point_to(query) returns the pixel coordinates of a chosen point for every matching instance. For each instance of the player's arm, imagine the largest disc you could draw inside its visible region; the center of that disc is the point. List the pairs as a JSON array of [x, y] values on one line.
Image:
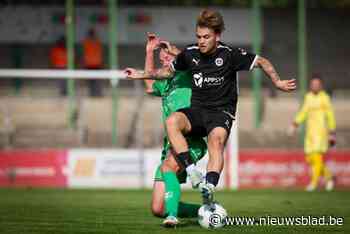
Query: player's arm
[[152, 44], [330, 121], [299, 118], [270, 71], [166, 72], [330, 114], [157, 74]]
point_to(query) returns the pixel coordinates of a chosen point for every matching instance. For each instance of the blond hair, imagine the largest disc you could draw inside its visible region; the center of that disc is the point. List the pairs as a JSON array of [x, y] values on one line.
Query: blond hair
[[211, 19]]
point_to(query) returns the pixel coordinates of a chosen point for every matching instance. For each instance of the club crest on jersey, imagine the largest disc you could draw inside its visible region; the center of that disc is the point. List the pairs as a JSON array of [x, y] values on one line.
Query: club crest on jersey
[[198, 79], [219, 62]]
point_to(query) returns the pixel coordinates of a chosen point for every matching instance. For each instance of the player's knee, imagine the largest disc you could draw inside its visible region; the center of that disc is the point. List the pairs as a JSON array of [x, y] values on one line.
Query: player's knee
[[216, 142], [169, 165], [157, 210], [217, 139], [172, 122]]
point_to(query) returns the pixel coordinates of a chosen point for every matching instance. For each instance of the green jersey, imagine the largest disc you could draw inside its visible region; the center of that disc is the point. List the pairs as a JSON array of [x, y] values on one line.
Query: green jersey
[[175, 92]]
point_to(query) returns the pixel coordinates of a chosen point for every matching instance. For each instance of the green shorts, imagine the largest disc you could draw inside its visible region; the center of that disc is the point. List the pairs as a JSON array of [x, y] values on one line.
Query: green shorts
[[197, 147]]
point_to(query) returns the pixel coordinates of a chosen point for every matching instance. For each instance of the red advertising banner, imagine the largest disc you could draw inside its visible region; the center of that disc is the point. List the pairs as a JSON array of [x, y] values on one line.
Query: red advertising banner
[[37, 168], [256, 168], [266, 169]]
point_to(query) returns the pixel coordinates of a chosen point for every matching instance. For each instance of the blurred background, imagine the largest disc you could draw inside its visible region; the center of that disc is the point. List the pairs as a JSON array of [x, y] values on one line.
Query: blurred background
[[66, 127]]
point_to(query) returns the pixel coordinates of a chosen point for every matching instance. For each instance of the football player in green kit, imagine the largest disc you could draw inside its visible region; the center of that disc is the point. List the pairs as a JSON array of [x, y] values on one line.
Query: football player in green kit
[[176, 94]]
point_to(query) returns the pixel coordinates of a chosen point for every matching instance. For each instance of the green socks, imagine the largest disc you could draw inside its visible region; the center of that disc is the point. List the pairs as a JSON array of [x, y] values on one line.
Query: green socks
[[173, 206], [188, 210], [172, 193]]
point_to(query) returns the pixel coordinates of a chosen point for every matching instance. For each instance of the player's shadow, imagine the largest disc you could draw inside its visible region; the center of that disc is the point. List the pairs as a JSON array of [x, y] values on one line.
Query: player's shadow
[[188, 223]]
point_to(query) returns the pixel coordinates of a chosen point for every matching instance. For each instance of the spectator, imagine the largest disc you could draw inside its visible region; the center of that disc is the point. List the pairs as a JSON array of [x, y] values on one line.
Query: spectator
[[93, 59], [58, 60]]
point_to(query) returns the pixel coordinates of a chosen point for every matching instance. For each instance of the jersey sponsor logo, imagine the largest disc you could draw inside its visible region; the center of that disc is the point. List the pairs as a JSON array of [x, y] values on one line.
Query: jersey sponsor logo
[[214, 80], [196, 61], [219, 62], [199, 80]]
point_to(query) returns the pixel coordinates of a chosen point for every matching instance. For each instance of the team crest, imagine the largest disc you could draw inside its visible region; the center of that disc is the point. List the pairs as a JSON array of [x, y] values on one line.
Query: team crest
[[219, 62]]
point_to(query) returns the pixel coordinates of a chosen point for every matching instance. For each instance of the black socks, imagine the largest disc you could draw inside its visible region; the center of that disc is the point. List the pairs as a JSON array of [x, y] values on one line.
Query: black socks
[[184, 160], [212, 177]]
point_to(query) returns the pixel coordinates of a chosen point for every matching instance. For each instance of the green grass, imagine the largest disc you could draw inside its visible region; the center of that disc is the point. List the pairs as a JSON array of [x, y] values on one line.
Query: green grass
[[127, 211]]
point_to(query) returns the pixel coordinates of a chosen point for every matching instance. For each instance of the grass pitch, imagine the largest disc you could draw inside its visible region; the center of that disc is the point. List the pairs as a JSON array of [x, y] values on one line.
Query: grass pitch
[[127, 211]]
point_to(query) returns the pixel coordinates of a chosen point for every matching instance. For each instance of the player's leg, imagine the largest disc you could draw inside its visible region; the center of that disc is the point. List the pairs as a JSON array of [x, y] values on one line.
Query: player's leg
[[315, 160], [172, 180], [216, 144], [188, 210], [219, 127], [172, 191], [157, 203], [178, 124], [327, 175], [185, 209], [198, 149]]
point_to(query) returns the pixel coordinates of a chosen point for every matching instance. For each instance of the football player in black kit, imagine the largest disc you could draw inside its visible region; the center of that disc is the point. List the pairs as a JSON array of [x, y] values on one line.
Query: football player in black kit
[[214, 66]]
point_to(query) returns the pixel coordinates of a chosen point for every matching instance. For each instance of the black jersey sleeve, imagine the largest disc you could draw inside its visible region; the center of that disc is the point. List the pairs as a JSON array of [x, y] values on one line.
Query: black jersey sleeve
[[242, 60], [180, 62]]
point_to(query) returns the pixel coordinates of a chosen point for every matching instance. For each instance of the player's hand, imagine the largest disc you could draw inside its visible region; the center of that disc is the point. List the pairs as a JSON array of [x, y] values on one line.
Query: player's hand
[[332, 140], [152, 42], [286, 85], [132, 73], [292, 129], [171, 49]]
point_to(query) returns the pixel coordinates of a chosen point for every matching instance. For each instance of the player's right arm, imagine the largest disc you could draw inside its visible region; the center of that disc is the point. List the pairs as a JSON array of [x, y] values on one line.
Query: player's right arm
[[179, 64], [157, 74], [299, 118], [152, 44]]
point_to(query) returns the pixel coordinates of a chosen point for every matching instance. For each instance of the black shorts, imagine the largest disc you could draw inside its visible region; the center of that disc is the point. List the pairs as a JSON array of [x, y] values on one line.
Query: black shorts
[[204, 121]]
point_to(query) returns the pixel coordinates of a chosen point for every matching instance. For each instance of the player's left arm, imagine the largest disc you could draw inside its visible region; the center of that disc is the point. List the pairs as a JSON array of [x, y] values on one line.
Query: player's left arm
[[300, 117], [270, 71]]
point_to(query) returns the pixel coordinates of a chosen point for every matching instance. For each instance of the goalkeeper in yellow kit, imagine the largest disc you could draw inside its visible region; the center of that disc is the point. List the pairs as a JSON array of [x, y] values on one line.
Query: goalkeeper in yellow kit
[[317, 113]]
